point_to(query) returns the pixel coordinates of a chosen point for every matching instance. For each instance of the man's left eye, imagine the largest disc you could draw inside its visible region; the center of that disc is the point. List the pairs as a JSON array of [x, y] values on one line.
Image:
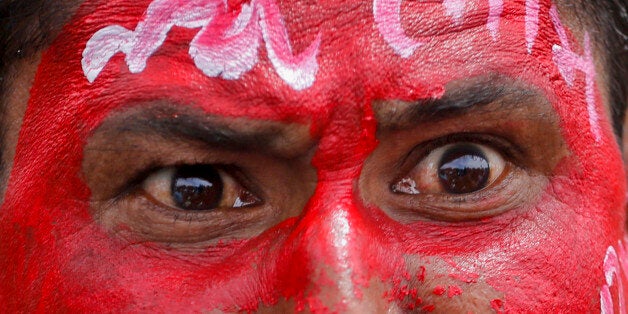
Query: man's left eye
[[458, 168], [456, 177], [197, 188]]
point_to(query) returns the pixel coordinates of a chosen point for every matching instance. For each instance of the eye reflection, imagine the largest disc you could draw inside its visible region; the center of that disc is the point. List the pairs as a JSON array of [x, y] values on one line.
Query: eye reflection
[[197, 188], [463, 169], [458, 168]]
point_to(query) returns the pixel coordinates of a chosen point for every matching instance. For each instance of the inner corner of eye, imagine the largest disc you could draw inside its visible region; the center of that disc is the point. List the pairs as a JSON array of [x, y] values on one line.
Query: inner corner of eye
[[405, 186]]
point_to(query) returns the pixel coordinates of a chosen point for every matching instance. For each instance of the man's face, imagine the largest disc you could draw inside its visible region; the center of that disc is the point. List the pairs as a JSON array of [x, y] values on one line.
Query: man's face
[[315, 156]]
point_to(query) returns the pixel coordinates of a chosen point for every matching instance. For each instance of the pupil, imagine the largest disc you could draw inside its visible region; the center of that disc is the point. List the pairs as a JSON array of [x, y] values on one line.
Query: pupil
[[196, 187], [463, 169]]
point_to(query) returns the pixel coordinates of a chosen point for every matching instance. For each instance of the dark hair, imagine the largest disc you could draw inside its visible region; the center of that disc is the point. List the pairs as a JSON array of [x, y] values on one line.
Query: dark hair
[[617, 45], [608, 20], [27, 26]]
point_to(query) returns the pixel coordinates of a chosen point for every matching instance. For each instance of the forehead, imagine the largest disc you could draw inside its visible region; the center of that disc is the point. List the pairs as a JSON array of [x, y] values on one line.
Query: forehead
[[297, 59]]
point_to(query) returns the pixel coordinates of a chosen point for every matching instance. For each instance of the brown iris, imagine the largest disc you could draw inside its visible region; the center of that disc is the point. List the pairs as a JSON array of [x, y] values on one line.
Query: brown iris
[[197, 187], [463, 169]]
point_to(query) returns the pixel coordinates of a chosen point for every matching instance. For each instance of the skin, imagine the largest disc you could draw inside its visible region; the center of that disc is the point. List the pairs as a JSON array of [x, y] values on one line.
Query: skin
[[82, 231]]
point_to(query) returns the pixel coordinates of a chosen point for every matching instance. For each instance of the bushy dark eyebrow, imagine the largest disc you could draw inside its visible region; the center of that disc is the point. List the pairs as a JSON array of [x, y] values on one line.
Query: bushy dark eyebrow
[[172, 123], [473, 95]]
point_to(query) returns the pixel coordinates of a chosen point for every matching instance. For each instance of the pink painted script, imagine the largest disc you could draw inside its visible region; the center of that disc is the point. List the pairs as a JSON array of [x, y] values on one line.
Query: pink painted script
[[568, 61], [615, 266], [532, 22], [226, 46], [455, 9], [496, 7], [387, 15]]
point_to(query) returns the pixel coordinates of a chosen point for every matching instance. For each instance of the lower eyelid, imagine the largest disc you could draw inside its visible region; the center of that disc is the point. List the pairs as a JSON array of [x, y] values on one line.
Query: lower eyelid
[[511, 185], [156, 223], [467, 207], [151, 219]]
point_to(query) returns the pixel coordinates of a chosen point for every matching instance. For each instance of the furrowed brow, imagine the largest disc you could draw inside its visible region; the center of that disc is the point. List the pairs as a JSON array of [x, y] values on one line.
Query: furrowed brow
[[239, 134], [469, 96]]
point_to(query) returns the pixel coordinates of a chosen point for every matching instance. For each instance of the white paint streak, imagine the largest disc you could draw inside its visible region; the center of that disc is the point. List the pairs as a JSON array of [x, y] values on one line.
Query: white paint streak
[[611, 265], [102, 46], [298, 71], [531, 23], [225, 46], [340, 231], [387, 14], [568, 62], [612, 270], [568, 73], [496, 7], [228, 53], [606, 300], [455, 9]]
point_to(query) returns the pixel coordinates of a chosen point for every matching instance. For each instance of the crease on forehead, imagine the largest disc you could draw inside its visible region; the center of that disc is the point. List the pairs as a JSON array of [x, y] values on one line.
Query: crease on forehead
[[436, 93], [430, 93], [291, 12]]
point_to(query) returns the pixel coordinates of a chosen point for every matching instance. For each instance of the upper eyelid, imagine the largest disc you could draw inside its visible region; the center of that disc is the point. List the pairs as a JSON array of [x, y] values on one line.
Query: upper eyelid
[[510, 151]]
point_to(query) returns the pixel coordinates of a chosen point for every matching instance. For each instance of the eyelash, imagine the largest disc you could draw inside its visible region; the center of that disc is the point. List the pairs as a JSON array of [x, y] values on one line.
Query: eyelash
[[511, 154], [134, 185], [509, 151]]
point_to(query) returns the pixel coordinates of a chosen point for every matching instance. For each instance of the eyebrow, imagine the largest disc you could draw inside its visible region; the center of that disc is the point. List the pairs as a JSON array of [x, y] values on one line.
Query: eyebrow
[[488, 94], [170, 122]]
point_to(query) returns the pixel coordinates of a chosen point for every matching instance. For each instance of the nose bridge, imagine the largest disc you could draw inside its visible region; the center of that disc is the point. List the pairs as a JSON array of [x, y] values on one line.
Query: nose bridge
[[333, 243], [328, 238], [329, 242]]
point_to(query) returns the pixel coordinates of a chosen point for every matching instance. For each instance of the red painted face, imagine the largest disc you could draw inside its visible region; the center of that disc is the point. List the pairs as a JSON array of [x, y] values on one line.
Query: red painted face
[[380, 87]]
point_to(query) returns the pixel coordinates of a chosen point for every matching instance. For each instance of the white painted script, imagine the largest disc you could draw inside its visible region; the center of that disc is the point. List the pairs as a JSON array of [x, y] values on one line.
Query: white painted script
[[226, 46]]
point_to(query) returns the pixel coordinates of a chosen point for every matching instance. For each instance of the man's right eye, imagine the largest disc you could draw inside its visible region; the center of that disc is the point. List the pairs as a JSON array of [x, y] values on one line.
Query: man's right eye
[[197, 188], [192, 204], [181, 178]]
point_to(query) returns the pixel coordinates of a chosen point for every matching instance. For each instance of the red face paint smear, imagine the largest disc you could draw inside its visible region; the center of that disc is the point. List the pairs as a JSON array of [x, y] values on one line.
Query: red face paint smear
[[439, 290], [55, 256], [454, 291]]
